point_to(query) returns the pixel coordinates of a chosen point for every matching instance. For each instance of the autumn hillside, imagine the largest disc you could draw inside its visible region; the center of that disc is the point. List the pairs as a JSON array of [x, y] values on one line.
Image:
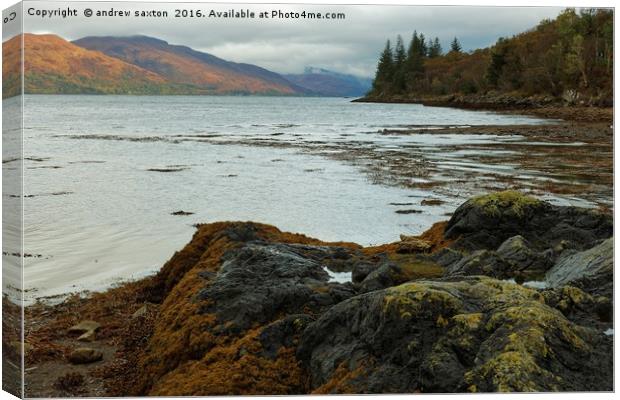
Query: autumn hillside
[[135, 65], [565, 60], [53, 65], [181, 64]]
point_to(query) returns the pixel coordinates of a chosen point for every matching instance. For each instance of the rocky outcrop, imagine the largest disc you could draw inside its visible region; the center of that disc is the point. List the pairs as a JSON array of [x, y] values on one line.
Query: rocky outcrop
[[260, 281], [510, 235], [591, 270], [585, 110], [235, 301], [485, 222], [472, 334], [247, 309]]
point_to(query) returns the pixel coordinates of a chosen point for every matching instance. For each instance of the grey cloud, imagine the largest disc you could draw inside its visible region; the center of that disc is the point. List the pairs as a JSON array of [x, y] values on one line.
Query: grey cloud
[[287, 46]]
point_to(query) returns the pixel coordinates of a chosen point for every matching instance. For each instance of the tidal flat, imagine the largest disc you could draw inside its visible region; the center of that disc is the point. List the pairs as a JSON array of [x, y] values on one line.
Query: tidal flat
[[324, 167]]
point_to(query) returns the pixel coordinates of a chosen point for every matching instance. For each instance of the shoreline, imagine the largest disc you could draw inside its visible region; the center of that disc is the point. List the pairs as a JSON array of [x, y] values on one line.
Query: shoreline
[[553, 132], [596, 190], [137, 317], [596, 138], [508, 105]]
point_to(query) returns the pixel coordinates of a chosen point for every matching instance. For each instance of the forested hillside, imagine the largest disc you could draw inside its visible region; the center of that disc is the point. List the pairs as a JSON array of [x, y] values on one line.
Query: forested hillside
[[568, 59], [130, 65]]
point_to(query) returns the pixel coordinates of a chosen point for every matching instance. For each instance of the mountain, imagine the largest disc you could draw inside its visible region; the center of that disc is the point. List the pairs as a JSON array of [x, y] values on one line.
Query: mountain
[[328, 83], [146, 65], [183, 65], [53, 65], [11, 56]]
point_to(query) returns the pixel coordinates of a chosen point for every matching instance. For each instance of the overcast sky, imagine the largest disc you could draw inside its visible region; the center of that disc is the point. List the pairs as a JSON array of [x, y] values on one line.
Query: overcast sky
[[287, 46]]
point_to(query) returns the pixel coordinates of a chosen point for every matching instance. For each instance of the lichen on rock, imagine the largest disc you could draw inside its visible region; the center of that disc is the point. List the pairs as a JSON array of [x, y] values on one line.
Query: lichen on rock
[[245, 309], [475, 333]]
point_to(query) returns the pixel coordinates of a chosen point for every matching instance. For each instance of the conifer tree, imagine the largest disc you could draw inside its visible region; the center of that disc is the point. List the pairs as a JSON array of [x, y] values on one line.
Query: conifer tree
[[423, 46], [400, 57], [434, 49], [455, 46], [385, 71], [415, 61]]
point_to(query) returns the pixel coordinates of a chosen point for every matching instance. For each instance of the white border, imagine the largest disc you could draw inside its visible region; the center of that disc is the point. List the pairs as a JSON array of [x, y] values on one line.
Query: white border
[[563, 3]]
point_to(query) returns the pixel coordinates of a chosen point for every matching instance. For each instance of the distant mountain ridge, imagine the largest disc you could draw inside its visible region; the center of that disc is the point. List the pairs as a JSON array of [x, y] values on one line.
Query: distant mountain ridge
[[329, 83], [147, 65], [54, 65], [183, 65]]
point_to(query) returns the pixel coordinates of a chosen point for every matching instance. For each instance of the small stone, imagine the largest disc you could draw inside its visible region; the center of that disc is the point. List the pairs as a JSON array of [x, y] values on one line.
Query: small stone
[[142, 311], [85, 326], [432, 202], [85, 355], [87, 337], [411, 244], [181, 212]]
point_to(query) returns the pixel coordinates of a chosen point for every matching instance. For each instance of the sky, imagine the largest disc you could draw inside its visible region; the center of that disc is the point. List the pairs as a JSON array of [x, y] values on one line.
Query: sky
[[350, 46]]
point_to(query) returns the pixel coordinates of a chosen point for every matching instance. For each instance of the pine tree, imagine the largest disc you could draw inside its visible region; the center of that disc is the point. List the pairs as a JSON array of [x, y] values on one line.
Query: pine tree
[[434, 49], [385, 71], [415, 62], [455, 46], [399, 51], [423, 46], [400, 57]]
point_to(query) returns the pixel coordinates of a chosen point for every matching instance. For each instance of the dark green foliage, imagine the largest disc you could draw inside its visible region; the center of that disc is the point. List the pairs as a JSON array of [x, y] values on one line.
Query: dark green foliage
[[414, 65], [569, 58], [11, 86], [434, 48], [455, 46], [385, 72], [400, 57]]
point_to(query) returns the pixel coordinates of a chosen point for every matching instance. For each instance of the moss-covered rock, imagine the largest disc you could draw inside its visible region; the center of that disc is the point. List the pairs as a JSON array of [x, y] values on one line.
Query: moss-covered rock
[[511, 203], [485, 222], [247, 309], [234, 302], [470, 334]]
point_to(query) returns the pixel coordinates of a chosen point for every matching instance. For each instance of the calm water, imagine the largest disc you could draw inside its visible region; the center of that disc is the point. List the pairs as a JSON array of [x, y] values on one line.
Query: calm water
[[95, 213]]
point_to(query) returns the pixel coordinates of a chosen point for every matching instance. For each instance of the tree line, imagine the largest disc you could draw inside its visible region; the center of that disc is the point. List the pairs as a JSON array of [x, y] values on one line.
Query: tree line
[[401, 70], [570, 56]]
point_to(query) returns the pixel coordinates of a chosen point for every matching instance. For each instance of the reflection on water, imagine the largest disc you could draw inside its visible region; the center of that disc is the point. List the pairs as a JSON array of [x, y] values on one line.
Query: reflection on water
[[105, 174]]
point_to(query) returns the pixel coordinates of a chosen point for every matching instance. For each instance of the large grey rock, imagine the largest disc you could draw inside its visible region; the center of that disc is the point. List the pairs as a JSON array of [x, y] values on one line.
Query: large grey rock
[[485, 222], [461, 334], [385, 275], [259, 281], [591, 270], [518, 252], [481, 262]]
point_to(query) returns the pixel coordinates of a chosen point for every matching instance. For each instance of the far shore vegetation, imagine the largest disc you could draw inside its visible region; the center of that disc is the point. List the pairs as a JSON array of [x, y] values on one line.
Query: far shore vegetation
[[569, 58]]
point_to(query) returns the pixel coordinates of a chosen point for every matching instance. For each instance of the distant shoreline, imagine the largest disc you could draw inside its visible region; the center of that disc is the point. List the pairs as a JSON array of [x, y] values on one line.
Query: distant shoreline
[[539, 107]]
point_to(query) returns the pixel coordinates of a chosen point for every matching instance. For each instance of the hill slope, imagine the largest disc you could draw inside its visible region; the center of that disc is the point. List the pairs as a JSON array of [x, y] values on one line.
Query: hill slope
[[567, 60], [328, 83], [53, 65], [183, 65]]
